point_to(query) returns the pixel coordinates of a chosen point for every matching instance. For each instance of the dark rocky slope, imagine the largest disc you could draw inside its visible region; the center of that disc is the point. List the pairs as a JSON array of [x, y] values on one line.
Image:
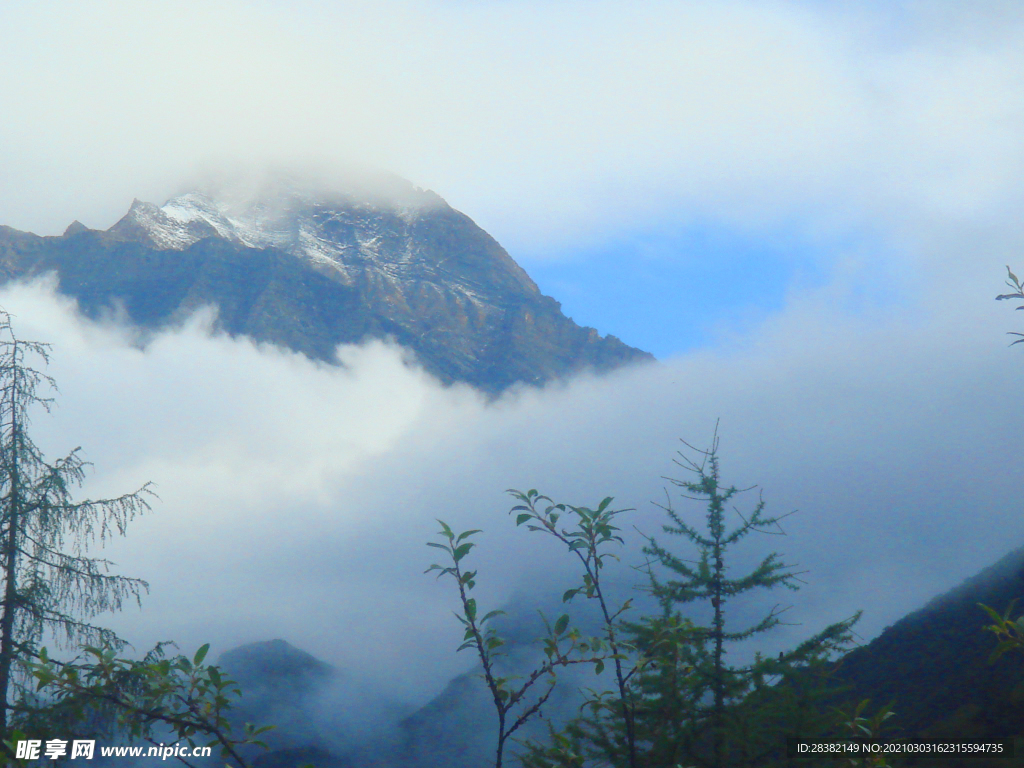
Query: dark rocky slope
[[934, 664], [311, 270]]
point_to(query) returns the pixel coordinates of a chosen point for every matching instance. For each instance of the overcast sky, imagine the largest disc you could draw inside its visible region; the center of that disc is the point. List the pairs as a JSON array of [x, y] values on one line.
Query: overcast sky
[[803, 209]]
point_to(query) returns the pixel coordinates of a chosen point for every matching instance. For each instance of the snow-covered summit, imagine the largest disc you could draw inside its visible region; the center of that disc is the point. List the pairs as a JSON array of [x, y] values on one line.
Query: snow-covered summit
[[192, 216], [324, 225], [311, 266]]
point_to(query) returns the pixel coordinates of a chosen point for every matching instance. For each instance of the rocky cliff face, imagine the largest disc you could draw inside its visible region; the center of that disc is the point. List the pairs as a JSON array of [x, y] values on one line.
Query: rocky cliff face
[[309, 270]]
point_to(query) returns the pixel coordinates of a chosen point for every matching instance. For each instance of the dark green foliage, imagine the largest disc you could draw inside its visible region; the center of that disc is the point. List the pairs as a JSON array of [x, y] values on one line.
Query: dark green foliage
[[676, 700], [101, 693], [858, 722], [695, 706]]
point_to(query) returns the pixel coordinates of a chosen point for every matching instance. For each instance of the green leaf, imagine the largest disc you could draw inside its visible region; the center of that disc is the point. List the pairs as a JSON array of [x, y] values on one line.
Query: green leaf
[[522, 518], [561, 623], [991, 612], [1002, 648], [471, 609], [461, 551], [200, 654], [466, 534]]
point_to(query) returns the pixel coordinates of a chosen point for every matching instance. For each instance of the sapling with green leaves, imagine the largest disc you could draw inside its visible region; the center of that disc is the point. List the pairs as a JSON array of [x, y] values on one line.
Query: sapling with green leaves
[[1008, 629], [856, 723], [563, 646], [592, 532], [1014, 282], [135, 697]]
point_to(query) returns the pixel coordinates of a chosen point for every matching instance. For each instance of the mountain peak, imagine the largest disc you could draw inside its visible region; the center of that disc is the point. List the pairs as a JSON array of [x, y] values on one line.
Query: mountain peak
[[337, 226], [152, 224], [74, 228], [307, 264]]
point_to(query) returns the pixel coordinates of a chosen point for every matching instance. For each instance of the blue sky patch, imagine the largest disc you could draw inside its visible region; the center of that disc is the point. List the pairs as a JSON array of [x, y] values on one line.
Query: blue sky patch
[[666, 291]]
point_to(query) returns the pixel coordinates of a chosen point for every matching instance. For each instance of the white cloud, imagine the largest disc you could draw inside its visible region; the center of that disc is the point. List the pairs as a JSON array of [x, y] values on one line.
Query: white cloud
[[297, 497], [553, 123]]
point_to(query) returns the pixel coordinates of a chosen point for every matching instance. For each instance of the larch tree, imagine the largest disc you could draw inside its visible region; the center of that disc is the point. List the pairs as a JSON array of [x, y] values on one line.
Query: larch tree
[[694, 705], [50, 585]]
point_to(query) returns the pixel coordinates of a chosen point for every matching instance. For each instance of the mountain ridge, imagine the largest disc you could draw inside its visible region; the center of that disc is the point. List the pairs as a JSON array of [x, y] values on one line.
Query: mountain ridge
[[934, 663], [310, 269]]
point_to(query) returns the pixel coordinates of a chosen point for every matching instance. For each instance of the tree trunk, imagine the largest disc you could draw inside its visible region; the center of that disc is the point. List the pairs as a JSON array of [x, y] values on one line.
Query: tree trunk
[[718, 680], [10, 559]]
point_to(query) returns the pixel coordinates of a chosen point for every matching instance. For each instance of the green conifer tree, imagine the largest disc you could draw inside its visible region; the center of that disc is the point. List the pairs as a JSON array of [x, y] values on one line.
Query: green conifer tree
[[49, 584], [695, 707], [51, 587]]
